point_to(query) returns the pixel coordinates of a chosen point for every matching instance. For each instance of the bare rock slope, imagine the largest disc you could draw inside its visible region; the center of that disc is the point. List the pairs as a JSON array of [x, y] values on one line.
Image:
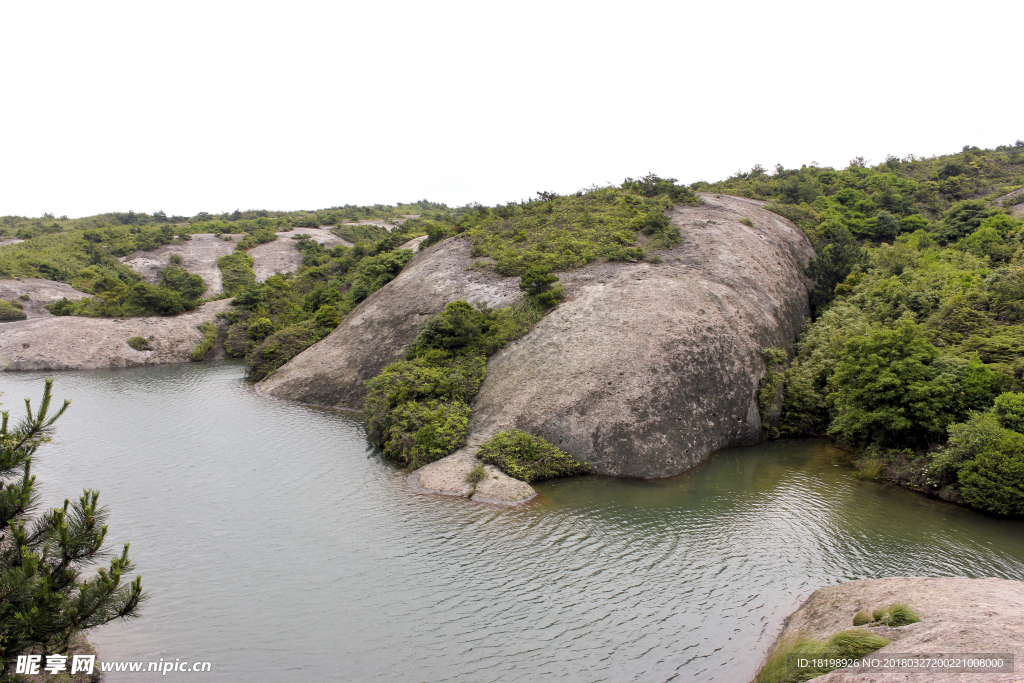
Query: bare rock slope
[[644, 370], [40, 293], [332, 372], [282, 256], [77, 343], [958, 616], [198, 256]]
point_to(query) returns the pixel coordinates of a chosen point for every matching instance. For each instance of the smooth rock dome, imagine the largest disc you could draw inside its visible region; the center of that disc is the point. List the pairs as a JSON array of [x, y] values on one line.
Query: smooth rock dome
[[644, 370]]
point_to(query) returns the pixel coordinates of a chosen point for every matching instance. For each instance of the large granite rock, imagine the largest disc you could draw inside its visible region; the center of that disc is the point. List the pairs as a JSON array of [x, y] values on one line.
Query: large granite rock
[[644, 370], [647, 369]]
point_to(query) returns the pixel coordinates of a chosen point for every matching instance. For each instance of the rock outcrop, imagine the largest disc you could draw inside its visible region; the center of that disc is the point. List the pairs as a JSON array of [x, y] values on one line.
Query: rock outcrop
[[77, 343], [282, 256], [198, 256], [40, 293], [380, 330], [958, 616], [643, 371]]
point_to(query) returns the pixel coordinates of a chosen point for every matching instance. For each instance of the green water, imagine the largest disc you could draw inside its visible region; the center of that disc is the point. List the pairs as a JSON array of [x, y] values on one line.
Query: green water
[[278, 546]]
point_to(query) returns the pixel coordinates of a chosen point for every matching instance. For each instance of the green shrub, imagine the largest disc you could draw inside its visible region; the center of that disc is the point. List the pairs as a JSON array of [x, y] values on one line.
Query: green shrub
[[277, 349], [191, 287], [529, 458], [25, 297], [9, 312], [418, 433], [746, 221], [862, 617], [236, 272], [1009, 407], [139, 343], [476, 475], [994, 480], [900, 614], [209, 331], [175, 259]]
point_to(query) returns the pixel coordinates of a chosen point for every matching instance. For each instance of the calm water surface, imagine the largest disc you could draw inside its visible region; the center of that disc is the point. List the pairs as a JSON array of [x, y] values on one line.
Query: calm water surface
[[278, 546]]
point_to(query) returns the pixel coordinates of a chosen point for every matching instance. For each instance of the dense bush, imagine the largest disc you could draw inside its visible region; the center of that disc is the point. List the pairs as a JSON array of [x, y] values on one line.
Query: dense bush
[[994, 480], [10, 311], [918, 311], [138, 343], [236, 272], [417, 409], [209, 340], [529, 458], [279, 348], [825, 655]]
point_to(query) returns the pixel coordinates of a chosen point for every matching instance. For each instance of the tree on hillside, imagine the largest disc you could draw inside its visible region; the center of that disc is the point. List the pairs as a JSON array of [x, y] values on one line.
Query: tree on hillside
[[45, 599]]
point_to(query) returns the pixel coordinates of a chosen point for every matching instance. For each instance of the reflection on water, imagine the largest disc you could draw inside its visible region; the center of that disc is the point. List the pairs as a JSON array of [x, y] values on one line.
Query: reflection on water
[[278, 546]]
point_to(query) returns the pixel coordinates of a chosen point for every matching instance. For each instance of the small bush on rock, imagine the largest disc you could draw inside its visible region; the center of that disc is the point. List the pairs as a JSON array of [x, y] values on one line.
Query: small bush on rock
[[139, 343], [9, 312], [529, 458]]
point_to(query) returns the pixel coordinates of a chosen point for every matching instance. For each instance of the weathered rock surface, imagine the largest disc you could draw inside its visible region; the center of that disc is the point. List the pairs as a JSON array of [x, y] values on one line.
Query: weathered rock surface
[[644, 370], [198, 256], [448, 477], [647, 369], [958, 616], [40, 292], [282, 256], [380, 330], [77, 343]]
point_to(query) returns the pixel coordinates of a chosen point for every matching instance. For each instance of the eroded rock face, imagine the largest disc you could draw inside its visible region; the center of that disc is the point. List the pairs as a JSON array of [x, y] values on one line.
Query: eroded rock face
[[40, 293], [198, 256], [332, 372], [958, 616], [282, 256], [78, 343], [643, 371], [647, 369]]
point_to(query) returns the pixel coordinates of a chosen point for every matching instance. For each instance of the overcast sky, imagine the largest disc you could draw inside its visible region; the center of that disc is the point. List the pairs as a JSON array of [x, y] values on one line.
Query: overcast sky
[[212, 106]]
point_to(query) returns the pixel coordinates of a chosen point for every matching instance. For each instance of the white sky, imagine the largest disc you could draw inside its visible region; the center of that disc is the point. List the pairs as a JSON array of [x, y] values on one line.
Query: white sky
[[212, 106]]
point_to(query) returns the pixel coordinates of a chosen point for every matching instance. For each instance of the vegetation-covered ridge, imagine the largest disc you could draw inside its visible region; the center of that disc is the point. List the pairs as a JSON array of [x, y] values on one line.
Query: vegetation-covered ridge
[[915, 357], [566, 232], [274, 321]]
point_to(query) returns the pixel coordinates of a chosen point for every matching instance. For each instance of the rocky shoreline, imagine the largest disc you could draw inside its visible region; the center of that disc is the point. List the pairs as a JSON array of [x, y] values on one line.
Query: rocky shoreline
[[958, 616]]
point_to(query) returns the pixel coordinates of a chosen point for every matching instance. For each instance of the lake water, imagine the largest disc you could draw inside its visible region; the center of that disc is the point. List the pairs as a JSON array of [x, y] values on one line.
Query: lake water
[[276, 544]]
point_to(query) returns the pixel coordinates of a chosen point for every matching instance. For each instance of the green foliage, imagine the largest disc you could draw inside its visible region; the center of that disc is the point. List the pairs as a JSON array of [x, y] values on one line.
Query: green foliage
[[861, 618], [538, 282], [209, 340], [994, 480], [279, 348], [476, 475], [747, 222], [888, 389], [900, 614], [9, 312], [441, 374], [236, 272], [139, 343], [529, 458], [1009, 408], [562, 233], [47, 599], [781, 666]]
